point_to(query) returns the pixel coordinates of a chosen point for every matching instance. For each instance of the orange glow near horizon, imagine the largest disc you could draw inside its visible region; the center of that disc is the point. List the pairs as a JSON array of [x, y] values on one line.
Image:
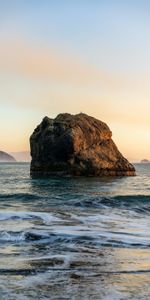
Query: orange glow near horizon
[[46, 71]]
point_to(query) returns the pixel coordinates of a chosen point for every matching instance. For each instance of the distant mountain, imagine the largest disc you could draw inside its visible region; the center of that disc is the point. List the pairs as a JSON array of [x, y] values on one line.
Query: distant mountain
[[145, 161], [23, 156], [5, 157]]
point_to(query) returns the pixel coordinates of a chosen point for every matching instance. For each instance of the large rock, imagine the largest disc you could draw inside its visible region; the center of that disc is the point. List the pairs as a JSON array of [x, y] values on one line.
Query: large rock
[[77, 145], [5, 157]]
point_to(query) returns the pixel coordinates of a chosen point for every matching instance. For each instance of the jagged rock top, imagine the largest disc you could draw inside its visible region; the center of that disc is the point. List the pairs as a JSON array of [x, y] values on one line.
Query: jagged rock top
[[76, 145], [5, 157]]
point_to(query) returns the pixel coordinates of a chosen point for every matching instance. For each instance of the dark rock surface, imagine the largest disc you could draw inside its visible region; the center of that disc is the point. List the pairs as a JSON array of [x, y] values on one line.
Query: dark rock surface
[[5, 157], [77, 145]]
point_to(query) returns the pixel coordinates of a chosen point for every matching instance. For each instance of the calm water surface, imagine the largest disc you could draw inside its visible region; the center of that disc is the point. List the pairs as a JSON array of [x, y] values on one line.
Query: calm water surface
[[74, 238]]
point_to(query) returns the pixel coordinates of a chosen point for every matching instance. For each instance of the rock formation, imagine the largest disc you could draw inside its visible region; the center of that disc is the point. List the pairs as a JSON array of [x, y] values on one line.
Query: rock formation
[[5, 157], [145, 161], [77, 145]]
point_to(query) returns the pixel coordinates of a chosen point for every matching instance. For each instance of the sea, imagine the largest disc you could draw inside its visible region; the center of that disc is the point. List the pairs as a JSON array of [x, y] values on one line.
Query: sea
[[74, 238]]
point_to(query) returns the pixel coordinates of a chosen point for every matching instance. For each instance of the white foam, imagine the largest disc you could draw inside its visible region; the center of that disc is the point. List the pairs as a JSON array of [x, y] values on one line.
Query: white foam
[[12, 237], [47, 218]]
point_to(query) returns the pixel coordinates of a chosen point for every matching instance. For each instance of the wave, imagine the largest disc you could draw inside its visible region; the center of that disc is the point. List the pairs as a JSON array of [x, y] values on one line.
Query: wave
[[37, 271], [122, 201], [10, 236], [36, 235], [47, 218], [19, 196], [58, 240], [139, 203]]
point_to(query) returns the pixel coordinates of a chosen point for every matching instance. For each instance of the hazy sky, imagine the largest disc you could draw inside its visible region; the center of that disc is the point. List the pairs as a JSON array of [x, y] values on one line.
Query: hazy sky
[[72, 56]]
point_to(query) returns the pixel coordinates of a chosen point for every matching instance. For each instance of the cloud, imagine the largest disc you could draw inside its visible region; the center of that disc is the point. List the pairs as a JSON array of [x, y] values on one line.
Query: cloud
[[47, 81], [40, 63]]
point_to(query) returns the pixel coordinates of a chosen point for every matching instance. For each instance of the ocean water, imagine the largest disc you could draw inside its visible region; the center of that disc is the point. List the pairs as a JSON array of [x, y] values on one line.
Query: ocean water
[[74, 238]]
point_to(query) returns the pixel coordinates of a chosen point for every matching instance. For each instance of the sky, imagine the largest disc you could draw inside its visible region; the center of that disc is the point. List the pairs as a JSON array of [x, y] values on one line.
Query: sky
[[75, 56]]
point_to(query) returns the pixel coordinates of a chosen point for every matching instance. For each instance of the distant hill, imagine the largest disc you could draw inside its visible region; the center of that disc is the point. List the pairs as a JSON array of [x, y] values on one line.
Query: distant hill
[[5, 157], [23, 156], [145, 161]]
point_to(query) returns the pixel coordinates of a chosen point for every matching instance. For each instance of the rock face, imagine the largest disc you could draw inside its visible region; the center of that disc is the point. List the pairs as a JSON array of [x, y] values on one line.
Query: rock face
[[5, 157], [77, 145]]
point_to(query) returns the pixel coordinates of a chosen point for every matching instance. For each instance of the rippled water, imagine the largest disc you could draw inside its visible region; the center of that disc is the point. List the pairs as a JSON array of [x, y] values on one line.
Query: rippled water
[[74, 238]]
